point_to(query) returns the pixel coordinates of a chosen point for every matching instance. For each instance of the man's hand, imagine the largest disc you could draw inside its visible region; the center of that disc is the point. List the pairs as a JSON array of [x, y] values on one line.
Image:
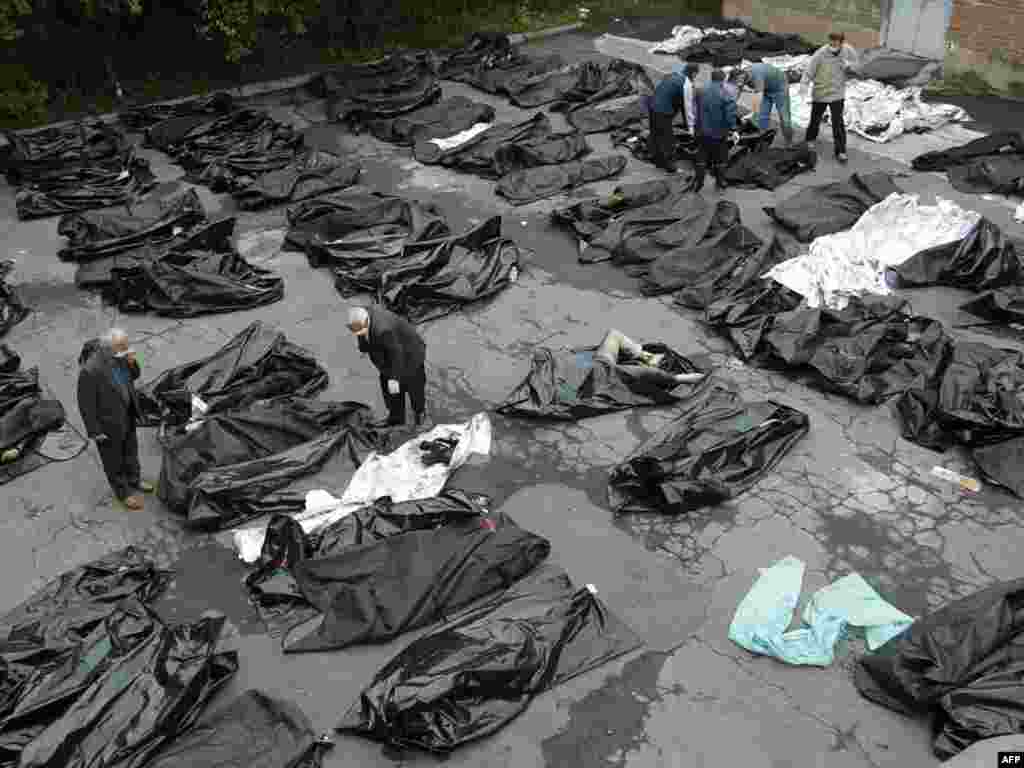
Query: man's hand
[[393, 387]]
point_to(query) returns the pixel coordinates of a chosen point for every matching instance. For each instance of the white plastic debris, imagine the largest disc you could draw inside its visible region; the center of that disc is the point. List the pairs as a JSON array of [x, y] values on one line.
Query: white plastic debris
[[683, 36], [967, 483], [1018, 215], [451, 142], [591, 589], [853, 263], [400, 474]]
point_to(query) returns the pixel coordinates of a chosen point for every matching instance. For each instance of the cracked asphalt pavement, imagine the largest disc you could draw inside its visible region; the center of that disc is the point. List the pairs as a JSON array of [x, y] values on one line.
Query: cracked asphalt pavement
[[852, 496]]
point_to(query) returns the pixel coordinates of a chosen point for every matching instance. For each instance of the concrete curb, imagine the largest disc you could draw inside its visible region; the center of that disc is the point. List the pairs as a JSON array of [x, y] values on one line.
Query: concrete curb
[[284, 84]]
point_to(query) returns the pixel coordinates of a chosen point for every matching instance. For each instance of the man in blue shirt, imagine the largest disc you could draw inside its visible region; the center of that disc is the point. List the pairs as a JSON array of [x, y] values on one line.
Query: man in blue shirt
[[771, 88], [676, 92], [717, 129]]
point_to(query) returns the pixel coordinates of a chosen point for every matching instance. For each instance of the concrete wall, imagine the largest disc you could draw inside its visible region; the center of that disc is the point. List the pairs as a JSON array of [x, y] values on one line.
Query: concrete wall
[[860, 20], [917, 26]]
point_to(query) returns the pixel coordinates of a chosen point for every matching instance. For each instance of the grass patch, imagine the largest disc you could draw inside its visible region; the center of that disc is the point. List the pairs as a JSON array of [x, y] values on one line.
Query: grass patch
[[965, 83]]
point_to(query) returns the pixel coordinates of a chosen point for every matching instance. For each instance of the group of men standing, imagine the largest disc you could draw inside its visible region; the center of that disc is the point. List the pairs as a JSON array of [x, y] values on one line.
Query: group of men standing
[[710, 113]]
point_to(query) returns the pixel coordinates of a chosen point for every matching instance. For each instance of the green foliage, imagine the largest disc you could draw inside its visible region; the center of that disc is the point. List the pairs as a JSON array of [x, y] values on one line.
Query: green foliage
[[10, 12], [237, 23], [22, 99]]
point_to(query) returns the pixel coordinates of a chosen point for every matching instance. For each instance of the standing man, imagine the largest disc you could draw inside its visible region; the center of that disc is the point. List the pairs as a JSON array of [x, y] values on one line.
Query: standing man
[[717, 129], [676, 92], [399, 353], [771, 90], [827, 71], [110, 409]]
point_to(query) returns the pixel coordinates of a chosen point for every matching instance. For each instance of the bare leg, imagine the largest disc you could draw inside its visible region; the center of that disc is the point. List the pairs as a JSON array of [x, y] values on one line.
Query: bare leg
[[616, 343]]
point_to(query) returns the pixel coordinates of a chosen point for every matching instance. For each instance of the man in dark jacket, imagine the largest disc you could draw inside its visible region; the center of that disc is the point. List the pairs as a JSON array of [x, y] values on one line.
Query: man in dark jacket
[[399, 353], [717, 129], [109, 407], [676, 92]]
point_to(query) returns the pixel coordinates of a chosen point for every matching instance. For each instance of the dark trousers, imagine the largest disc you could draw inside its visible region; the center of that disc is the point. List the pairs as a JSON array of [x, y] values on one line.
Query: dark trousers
[[662, 143], [415, 387], [838, 123], [713, 156], [121, 463]]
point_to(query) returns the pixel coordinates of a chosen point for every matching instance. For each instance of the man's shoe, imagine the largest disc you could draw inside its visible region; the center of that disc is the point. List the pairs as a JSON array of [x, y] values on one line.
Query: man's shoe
[[842, 158], [134, 502], [146, 487]]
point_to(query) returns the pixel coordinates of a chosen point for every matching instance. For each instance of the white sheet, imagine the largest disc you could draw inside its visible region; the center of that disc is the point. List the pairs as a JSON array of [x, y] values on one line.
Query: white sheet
[[451, 142], [853, 263], [683, 36], [400, 475]]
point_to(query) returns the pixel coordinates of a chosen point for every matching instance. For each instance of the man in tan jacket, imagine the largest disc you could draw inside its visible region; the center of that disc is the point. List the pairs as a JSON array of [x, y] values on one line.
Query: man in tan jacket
[[826, 74]]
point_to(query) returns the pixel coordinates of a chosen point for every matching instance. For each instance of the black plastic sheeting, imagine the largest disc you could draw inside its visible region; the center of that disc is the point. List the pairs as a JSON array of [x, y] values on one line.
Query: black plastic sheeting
[[446, 118], [110, 183], [631, 114], [223, 471], [257, 364], [434, 278], [996, 144], [1004, 306], [154, 221], [770, 168], [960, 664], [481, 50], [359, 93], [39, 156], [272, 586], [374, 592], [28, 414], [360, 243], [607, 224], [533, 184], [12, 308], [727, 50], [507, 147], [139, 685], [227, 153], [45, 641], [488, 665], [718, 447], [255, 731], [310, 174], [141, 118], [573, 384], [689, 251], [581, 84], [636, 138], [503, 73], [1003, 174], [204, 275], [985, 259], [830, 208], [896, 68]]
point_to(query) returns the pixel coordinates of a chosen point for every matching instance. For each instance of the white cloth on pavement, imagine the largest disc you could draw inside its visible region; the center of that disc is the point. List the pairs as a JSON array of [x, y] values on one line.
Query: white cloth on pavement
[[853, 263], [683, 36], [400, 474]]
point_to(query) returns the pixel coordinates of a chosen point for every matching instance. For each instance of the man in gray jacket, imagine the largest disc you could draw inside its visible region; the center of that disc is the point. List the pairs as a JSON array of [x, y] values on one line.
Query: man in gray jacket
[[826, 74]]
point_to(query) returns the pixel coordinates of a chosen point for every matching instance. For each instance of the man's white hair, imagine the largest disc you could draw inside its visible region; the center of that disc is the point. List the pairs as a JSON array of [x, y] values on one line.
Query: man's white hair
[[358, 317], [112, 336]]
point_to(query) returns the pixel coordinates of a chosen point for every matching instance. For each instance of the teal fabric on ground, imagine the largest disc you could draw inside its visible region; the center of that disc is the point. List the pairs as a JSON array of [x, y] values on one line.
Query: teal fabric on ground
[[765, 613]]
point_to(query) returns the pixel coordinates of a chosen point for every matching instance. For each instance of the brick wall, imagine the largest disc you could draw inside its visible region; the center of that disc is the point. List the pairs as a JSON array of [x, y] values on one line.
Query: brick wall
[[989, 29]]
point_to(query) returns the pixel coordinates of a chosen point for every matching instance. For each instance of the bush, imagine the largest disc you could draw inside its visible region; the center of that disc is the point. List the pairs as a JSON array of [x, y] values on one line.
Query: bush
[[22, 99]]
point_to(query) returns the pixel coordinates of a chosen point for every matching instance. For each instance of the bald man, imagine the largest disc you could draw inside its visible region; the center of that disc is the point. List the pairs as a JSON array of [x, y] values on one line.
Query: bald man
[[109, 407], [399, 353]]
